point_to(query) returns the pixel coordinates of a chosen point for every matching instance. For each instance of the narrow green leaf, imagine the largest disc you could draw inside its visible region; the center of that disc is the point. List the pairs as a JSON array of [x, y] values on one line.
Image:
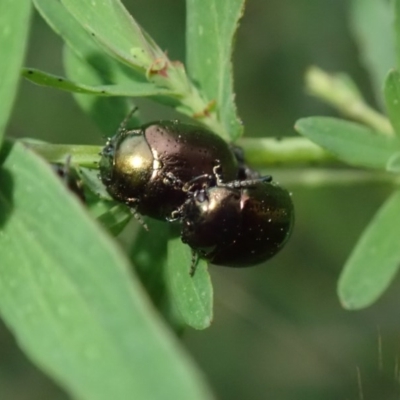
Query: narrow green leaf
[[134, 89], [68, 295], [392, 99], [64, 25], [87, 63], [350, 142], [193, 296], [339, 91], [81, 31], [14, 23], [91, 181], [375, 259], [114, 216], [149, 255], [108, 113], [84, 46], [114, 28], [211, 26], [372, 25]]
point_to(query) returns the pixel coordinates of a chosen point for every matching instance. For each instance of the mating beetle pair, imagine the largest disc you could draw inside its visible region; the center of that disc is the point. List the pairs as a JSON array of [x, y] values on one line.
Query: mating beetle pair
[[173, 171]]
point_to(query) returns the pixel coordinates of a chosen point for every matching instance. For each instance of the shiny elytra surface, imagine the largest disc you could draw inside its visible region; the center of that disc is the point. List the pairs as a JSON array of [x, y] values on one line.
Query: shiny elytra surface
[[238, 227], [135, 164]]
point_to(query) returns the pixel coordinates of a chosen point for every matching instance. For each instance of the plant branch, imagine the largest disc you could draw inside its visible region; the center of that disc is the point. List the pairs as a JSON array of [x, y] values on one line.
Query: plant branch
[[265, 152], [262, 153], [83, 155], [315, 178], [340, 91]]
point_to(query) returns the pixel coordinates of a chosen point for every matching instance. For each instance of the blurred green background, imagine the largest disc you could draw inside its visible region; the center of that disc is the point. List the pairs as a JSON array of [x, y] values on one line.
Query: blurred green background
[[279, 331]]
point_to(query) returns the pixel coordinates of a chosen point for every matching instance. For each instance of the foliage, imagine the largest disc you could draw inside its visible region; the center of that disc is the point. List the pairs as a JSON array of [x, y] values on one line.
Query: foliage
[[375, 144], [68, 292]]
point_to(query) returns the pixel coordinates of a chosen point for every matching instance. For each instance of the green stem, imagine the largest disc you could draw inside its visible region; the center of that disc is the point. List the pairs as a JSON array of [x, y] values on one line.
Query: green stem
[[265, 152], [191, 101], [340, 91], [315, 178], [83, 155]]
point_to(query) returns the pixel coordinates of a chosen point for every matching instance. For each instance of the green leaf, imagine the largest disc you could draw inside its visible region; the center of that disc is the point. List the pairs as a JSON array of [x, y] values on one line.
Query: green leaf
[[193, 295], [375, 260], [112, 215], [87, 63], [372, 24], [341, 92], [68, 295], [350, 142], [63, 24], [114, 29], [84, 46], [14, 23], [210, 30], [149, 256], [392, 99], [88, 35], [108, 113], [133, 89], [91, 181]]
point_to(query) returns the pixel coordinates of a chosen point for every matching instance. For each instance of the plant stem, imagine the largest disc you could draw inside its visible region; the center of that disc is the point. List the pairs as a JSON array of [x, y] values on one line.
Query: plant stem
[[83, 155], [341, 92], [265, 152], [261, 153], [316, 178], [191, 101]]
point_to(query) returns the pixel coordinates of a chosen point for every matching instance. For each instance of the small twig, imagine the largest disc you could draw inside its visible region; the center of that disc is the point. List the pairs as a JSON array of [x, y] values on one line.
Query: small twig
[[263, 152], [340, 91], [83, 155], [267, 156]]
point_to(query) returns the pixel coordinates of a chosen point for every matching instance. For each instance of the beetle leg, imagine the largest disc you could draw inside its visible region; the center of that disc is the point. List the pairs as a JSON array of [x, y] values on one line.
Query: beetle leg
[[246, 183], [132, 204], [170, 179], [217, 170], [176, 214], [193, 264], [188, 186], [139, 218]]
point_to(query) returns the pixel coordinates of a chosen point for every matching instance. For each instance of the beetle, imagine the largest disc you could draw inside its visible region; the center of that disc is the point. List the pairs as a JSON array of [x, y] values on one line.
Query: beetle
[[167, 170], [236, 224], [147, 167]]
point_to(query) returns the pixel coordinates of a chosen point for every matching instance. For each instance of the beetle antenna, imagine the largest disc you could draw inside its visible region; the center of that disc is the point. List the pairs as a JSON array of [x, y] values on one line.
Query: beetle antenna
[[124, 123]]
